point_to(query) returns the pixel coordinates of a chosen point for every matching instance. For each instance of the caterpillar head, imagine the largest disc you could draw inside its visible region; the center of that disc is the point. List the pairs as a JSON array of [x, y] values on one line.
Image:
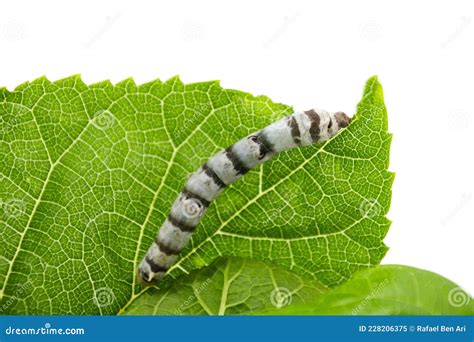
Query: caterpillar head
[[341, 119], [331, 124], [145, 274]]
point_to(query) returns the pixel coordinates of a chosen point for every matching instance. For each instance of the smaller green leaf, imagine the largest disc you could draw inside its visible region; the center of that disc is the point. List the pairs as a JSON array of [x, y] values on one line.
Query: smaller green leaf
[[389, 290], [228, 287]]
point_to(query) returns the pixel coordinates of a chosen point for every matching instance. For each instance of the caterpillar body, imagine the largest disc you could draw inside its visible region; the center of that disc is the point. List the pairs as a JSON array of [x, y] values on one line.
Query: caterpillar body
[[226, 167]]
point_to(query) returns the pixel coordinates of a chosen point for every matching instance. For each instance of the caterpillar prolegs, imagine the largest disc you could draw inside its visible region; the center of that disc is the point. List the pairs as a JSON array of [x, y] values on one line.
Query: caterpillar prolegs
[[226, 167]]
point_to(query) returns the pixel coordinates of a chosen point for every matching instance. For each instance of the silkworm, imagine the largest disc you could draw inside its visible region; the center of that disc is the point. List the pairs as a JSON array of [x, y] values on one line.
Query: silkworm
[[224, 168]]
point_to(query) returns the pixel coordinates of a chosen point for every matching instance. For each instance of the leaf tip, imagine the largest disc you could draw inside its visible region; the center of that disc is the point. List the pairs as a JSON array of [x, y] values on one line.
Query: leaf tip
[[373, 91]]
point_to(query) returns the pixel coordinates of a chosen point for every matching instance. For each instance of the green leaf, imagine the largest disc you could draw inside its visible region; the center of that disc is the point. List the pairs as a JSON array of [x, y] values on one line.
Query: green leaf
[[88, 174], [228, 287], [389, 290]]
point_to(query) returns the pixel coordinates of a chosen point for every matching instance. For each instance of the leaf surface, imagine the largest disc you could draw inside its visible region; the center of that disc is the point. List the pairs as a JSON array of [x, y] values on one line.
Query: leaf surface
[[229, 287], [88, 174], [389, 290]]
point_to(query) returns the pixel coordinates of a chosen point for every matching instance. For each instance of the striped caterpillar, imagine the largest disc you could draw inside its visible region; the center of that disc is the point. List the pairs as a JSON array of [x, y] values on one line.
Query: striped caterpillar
[[226, 167]]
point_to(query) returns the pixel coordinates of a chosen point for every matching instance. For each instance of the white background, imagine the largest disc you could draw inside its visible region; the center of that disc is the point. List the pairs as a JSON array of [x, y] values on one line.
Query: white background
[[302, 53]]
